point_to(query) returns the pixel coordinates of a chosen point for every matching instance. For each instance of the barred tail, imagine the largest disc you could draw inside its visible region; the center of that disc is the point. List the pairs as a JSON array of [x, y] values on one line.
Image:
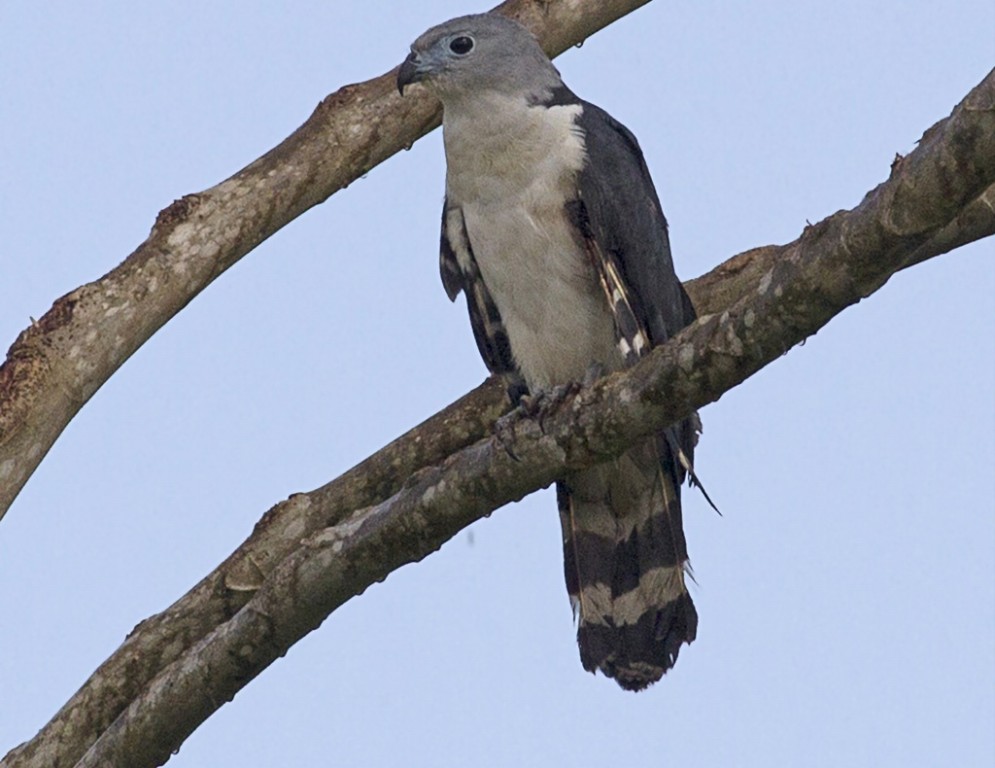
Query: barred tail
[[625, 558]]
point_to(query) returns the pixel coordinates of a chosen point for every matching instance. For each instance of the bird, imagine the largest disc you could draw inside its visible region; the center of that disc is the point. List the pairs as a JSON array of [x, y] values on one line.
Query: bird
[[553, 230]]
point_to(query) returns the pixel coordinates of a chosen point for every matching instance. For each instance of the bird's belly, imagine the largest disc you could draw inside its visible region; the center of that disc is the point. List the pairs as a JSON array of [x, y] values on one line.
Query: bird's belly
[[544, 286]]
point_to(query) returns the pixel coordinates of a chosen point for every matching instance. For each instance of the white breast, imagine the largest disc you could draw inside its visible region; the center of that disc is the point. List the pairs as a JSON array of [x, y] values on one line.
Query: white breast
[[511, 167]]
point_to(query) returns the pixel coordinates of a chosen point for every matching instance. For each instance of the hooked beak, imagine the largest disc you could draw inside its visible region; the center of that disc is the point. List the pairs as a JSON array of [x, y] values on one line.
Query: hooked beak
[[411, 71]]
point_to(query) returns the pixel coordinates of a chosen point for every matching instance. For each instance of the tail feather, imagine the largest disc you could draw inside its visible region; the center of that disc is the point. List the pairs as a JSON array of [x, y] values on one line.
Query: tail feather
[[625, 558]]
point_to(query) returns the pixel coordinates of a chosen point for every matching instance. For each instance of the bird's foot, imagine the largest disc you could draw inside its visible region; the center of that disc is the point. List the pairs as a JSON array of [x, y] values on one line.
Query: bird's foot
[[504, 431], [547, 401], [504, 427], [536, 407], [540, 405]]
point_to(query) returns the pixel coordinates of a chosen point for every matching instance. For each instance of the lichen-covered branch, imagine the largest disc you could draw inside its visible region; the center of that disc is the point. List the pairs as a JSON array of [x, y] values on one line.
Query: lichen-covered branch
[[58, 363], [313, 552]]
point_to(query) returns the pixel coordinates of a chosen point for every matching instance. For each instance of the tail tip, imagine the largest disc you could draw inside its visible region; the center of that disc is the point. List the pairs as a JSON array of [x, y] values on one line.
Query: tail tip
[[637, 655]]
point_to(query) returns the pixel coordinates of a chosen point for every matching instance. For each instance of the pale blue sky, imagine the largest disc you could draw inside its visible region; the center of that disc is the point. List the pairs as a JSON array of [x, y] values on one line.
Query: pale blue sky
[[847, 597]]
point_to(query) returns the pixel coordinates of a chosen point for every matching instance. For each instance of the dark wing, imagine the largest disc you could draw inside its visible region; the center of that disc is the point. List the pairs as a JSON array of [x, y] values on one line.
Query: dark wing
[[625, 221], [620, 220], [460, 273]]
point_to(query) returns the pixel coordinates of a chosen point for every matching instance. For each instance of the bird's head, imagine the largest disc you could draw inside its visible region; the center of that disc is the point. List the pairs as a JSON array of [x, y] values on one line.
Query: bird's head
[[474, 54]]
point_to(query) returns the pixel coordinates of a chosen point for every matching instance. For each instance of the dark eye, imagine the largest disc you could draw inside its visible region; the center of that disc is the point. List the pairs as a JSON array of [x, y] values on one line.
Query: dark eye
[[461, 45]]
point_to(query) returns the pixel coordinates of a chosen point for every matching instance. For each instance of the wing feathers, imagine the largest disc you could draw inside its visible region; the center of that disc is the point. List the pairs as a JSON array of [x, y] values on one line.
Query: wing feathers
[[460, 273]]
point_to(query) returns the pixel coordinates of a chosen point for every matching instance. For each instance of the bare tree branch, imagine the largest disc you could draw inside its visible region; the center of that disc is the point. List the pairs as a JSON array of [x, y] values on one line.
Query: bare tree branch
[[58, 363], [313, 552]]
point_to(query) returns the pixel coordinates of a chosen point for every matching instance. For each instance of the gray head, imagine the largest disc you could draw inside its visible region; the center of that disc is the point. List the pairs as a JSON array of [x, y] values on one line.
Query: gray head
[[474, 54]]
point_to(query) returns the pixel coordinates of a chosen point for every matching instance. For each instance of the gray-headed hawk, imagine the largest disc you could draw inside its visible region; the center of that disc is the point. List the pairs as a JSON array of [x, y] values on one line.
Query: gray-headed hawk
[[552, 228]]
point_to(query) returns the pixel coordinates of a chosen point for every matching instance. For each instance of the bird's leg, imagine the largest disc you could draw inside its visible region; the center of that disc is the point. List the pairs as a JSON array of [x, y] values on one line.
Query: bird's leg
[[516, 387], [594, 372], [504, 427]]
